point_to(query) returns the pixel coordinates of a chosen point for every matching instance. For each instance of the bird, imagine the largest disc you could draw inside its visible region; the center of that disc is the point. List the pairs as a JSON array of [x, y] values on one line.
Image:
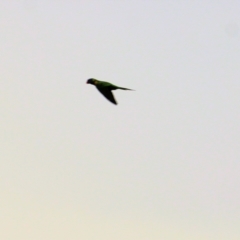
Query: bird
[[106, 88]]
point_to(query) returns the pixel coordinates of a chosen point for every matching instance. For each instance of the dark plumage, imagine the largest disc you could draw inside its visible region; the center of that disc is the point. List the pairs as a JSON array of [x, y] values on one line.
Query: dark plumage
[[106, 88]]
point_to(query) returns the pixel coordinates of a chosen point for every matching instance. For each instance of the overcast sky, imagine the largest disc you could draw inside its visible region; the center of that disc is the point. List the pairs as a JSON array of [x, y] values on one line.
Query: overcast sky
[[163, 164]]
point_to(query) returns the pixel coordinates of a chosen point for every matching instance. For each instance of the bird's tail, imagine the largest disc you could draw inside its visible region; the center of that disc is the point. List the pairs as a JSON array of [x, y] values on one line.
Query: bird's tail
[[125, 88]]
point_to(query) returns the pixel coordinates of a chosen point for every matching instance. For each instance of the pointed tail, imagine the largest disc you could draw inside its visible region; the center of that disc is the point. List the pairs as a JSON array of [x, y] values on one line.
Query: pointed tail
[[125, 88]]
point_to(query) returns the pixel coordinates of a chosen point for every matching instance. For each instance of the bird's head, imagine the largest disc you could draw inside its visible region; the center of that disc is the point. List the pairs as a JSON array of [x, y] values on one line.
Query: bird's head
[[91, 81]]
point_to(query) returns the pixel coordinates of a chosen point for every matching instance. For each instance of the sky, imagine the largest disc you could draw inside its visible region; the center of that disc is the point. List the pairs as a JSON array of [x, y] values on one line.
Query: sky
[[162, 164]]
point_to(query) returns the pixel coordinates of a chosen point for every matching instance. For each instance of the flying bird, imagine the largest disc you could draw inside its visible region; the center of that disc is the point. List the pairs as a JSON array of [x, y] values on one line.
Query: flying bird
[[106, 88]]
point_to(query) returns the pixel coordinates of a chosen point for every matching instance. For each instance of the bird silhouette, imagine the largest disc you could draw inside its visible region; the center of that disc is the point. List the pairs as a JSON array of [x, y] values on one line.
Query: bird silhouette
[[106, 88]]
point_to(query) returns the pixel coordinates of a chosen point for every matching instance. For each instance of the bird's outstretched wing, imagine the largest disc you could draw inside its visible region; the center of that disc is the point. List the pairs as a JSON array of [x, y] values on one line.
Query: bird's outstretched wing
[[108, 95]]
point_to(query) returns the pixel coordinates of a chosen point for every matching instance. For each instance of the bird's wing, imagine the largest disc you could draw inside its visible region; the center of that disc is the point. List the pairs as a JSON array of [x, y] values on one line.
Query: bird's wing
[[107, 94]]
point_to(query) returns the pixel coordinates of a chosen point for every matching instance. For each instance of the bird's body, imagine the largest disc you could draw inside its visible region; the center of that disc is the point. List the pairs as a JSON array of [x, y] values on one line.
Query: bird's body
[[106, 88]]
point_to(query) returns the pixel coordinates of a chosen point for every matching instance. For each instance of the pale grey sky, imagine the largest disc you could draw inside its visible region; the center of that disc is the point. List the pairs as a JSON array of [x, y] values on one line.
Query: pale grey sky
[[163, 164]]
